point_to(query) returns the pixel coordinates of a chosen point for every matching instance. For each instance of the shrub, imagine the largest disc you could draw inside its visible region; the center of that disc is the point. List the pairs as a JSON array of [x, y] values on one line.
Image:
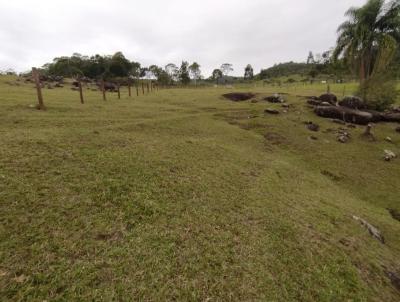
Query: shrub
[[378, 92]]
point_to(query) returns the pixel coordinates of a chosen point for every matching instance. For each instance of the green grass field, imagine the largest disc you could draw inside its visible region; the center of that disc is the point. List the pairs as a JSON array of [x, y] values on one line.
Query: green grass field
[[183, 195]]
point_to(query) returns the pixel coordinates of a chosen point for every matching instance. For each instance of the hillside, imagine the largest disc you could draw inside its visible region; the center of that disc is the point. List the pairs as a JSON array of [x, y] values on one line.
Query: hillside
[[286, 69], [184, 195]]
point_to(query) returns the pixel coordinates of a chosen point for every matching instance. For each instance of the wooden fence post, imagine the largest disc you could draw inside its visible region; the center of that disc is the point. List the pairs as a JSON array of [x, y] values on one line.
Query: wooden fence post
[[137, 89], [80, 91], [148, 89], [103, 89], [36, 78], [129, 89], [119, 91], [143, 88]]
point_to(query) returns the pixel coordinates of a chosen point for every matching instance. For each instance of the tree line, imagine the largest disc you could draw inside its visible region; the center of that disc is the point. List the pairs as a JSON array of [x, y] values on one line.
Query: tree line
[[117, 67]]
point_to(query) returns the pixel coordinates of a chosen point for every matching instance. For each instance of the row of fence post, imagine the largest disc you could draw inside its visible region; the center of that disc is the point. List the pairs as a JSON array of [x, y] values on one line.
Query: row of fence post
[[36, 77]]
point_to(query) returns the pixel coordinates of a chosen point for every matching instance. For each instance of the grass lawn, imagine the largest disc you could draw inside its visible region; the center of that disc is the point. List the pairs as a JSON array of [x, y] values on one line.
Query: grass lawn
[[183, 195]]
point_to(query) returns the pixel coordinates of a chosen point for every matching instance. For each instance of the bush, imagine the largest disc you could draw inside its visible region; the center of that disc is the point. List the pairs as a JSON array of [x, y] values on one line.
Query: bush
[[378, 92]]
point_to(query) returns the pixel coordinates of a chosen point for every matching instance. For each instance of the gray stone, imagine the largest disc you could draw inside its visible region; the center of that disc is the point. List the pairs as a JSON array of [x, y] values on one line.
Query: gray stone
[[371, 229], [271, 111], [352, 102], [389, 155]]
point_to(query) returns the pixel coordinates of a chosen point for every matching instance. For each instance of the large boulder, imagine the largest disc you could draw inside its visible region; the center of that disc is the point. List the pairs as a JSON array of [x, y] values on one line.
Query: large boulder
[[329, 98], [274, 99], [314, 102], [391, 117], [352, 102], [345, 114], [376, 115]]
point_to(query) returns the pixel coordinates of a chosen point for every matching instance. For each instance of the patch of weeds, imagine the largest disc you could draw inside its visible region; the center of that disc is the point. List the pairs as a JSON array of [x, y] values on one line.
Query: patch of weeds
[[331, 175]]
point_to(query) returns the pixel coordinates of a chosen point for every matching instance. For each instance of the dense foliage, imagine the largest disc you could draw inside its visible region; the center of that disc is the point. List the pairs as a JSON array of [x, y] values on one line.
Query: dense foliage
[[94, 67], [368, 41]]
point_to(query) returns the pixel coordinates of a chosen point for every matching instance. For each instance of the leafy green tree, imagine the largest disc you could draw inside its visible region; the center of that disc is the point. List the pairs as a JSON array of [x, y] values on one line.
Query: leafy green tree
[[248, 72], [183, 73], [368, 42], [97, 66], [216, 74], [226, 69], [195, 72], [160, 74], [310, 58], [134, 71], [119, 65], [172, 70]]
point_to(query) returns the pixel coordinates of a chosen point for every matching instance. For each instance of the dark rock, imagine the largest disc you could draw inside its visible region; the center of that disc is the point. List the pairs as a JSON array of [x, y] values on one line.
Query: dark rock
[[328, 97], [345, 114], [239, 96], [340, 122], [271, 111], [376, 115], [398, 129], [341, 138], [274, 99], [352, 102], [314, 138], [254, 101], [368, 133], [395, 214], [395, 109], [312, 127], [314, 102], [391, 117]]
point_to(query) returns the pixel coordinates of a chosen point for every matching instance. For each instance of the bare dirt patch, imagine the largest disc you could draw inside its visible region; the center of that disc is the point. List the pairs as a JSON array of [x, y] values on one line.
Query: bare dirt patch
[[239, 96], [275, 138]]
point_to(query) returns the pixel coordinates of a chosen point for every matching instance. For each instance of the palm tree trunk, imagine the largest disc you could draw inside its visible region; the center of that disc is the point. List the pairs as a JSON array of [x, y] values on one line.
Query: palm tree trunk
[[362, 70]]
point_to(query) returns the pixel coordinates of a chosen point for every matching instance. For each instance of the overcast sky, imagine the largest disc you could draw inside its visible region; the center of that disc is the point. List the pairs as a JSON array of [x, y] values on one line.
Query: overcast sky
[[211, 32]]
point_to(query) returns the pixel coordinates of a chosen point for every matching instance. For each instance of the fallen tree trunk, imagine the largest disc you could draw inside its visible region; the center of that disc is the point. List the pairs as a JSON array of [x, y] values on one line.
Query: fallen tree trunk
[[345, 114], [391, 117]]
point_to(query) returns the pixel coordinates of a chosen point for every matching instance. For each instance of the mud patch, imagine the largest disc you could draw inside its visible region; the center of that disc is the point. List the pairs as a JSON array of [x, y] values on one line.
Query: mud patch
[[239, 96], [274, 138]]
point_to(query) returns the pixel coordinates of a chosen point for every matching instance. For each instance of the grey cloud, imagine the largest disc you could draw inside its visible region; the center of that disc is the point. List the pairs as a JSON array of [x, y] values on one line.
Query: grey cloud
[[259, 32]]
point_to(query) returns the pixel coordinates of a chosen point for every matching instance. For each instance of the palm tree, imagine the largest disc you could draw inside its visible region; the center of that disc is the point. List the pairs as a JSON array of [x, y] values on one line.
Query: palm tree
[[369, 38]]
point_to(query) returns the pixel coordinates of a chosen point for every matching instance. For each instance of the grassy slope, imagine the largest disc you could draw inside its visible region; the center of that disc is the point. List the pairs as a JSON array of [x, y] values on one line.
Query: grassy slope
[[179, 195]]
